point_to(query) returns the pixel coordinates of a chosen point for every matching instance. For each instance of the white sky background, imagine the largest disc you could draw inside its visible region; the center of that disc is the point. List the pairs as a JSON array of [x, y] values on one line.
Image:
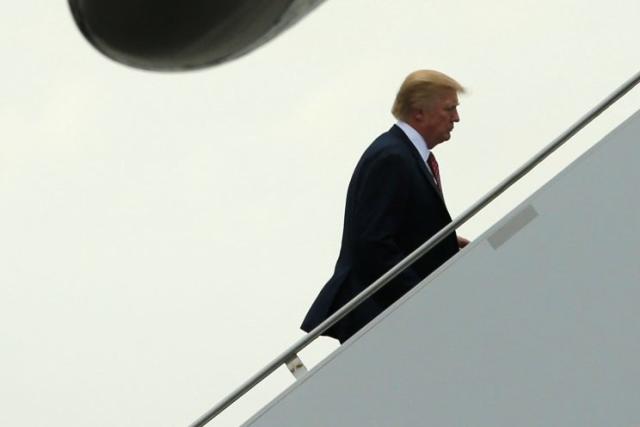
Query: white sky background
[[162, 235]]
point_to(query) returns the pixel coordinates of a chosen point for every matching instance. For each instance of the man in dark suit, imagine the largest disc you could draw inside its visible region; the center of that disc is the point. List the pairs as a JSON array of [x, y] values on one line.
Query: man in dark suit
[[394, 204]]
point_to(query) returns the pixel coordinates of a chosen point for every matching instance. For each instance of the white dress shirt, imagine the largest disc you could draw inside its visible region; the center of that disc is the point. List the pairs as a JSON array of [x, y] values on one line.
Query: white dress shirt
[[417, 140]]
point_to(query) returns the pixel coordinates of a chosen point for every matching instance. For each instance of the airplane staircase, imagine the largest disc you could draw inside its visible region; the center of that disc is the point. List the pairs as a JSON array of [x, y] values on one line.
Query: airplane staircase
[[536, 323]]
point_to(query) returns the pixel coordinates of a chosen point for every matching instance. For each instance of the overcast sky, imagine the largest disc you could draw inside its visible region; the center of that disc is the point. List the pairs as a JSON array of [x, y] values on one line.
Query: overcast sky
[[162, 235]]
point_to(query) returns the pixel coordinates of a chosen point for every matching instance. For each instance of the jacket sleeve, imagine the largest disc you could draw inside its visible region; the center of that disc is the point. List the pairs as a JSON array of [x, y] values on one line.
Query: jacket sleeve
[[382, 194]]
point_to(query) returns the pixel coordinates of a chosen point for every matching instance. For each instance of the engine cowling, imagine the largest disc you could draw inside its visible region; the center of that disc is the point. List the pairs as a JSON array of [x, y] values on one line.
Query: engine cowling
[[183, 34]]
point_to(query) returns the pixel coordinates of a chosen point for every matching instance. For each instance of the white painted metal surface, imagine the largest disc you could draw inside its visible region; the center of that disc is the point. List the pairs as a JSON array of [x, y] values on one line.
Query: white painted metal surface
[[534, 324]]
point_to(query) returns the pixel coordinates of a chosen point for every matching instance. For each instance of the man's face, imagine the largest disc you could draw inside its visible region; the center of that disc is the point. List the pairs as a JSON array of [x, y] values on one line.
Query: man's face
[[437, 121]]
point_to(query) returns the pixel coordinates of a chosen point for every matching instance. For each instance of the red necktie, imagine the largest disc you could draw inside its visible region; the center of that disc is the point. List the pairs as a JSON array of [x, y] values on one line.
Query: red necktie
[[433, 165]]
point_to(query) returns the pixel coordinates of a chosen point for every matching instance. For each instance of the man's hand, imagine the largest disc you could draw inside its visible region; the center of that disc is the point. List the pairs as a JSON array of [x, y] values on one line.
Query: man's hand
[[462, 242]]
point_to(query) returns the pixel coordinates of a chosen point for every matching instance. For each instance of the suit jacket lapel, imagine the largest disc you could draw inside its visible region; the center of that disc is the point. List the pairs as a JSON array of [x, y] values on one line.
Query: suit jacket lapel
[[422, 165]]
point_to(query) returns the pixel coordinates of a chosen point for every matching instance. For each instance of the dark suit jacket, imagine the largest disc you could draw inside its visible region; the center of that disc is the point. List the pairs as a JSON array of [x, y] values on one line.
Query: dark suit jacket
[[393, 206]]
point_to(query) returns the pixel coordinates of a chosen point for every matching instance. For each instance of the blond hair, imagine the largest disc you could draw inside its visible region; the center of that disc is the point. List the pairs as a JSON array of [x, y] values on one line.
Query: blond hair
[[419, 90]]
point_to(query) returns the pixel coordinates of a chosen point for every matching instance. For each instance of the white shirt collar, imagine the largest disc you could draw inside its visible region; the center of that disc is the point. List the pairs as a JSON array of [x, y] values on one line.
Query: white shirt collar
[[416, 139]]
